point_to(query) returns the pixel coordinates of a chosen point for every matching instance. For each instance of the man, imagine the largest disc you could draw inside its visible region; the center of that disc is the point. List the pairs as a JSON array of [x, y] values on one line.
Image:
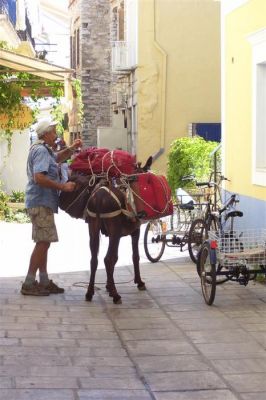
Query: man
[[42, 195]]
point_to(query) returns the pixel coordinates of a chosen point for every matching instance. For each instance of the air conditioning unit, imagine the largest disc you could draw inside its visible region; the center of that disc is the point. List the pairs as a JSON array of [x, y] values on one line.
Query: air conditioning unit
[[119, 100]]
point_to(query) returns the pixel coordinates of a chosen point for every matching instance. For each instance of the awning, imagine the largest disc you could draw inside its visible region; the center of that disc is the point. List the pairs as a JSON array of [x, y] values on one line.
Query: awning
[[20, 63]]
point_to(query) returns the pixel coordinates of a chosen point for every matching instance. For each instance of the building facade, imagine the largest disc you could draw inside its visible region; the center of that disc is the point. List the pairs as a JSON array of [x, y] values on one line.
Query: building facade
[[243, 105], [149, 69], [91, 57], [169, 64]]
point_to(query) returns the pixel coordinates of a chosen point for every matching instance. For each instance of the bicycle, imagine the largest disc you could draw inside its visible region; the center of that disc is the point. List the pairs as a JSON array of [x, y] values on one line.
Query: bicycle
[[219, 222], [236, 255], [200, 226], [172, 231]]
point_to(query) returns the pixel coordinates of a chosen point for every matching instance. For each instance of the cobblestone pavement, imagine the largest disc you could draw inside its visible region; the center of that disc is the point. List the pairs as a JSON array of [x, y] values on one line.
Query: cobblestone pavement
[[163, 343]]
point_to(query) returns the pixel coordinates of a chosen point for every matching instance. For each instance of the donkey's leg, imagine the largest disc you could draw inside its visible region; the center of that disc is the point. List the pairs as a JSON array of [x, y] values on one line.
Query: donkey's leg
[[94, 231], [110, 261], [135, 259]]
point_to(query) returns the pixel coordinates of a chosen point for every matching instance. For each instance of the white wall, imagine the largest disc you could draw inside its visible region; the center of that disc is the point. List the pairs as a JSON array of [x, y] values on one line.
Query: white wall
[[132, 30], [112, 138], [56, 26], [13, 166]]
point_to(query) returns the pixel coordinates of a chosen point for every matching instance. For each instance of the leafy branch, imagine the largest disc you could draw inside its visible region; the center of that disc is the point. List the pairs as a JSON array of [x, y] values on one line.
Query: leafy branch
[[14, 87]]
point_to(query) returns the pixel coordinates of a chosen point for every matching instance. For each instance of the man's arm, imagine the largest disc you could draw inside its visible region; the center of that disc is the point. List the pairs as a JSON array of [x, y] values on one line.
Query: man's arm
[[43, 180], [68, 151]]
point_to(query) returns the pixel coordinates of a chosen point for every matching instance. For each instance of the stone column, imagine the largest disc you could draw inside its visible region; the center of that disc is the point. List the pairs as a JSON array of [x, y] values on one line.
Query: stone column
[[95, 67]]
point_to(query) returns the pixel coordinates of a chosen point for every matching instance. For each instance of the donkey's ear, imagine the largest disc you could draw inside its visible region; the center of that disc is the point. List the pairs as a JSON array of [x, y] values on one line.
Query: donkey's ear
[[148, 164]]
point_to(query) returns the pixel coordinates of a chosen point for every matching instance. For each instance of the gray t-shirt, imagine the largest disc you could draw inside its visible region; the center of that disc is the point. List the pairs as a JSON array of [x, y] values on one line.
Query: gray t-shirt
[[41, 159]]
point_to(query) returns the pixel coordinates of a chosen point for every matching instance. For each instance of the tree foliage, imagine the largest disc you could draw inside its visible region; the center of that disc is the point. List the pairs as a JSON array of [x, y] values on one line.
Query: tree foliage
[[189, 156], [11, 94]]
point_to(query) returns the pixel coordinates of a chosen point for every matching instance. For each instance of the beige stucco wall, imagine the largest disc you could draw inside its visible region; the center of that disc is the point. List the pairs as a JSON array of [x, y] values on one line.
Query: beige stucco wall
[[13, 165], [178, 73], [237, 123]]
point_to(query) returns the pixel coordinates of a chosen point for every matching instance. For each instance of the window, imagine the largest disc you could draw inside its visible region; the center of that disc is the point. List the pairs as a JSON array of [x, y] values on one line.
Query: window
[[258, 42], [74, 49]]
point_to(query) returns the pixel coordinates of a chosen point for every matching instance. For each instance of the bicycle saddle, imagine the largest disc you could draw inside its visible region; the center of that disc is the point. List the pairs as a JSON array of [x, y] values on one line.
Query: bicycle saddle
[[187, 206], [234, 213]]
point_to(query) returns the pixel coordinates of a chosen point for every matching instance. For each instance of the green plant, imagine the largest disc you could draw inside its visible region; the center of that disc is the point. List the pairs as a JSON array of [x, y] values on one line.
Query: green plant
[[4, 198], [189, 156], [17, 196], [19, 216], [12, 96], [77, 92], [261, 278], [10, 214]]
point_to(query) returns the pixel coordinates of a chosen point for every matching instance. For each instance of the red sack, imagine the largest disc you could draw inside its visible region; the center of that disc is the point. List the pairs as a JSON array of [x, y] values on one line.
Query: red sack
[[152, 196], [118, 162], [89, 161], [98, 160]]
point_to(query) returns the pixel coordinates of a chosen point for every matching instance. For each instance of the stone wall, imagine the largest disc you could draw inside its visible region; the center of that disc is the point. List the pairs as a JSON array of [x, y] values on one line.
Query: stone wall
[[95, 71]]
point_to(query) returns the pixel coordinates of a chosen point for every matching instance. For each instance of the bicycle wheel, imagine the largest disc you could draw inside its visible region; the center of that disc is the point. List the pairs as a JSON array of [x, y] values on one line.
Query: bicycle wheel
[[219, 278], [154, 240], [196, 236], [207, 275]]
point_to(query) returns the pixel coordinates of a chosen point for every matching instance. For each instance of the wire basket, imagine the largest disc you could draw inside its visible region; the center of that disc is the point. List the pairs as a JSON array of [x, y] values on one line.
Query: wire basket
[[247, 247]]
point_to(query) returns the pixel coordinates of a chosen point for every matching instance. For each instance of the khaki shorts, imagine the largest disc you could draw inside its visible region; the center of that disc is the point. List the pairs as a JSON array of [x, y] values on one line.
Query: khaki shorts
[[43, 225]]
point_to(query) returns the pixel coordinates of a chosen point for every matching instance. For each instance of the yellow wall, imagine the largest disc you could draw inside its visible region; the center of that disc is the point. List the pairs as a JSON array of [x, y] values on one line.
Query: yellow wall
[[25, 48], [178, 72], [23, 118], [237, 127]]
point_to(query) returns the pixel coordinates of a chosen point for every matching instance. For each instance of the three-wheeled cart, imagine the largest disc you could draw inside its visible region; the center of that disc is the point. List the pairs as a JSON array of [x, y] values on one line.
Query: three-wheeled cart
[[231, 256]]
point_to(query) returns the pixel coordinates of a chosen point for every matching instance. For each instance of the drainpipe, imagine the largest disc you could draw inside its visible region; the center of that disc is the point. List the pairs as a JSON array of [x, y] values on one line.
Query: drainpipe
[[163, 89]]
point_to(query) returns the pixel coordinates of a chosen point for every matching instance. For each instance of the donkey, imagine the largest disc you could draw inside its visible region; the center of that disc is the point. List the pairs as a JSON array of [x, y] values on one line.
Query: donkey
[[106, 212]]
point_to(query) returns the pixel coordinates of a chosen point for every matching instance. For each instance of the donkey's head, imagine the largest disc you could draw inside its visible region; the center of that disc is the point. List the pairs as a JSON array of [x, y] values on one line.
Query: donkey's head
[[146, 167]]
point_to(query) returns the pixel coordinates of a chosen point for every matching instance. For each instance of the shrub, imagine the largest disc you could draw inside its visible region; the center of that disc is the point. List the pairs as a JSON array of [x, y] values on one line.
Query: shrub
[[189, 156], [17, 196], [9, 214], [4, 198]]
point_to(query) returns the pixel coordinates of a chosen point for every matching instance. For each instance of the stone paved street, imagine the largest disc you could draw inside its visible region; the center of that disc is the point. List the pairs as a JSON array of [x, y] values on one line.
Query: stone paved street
[[160, 344]]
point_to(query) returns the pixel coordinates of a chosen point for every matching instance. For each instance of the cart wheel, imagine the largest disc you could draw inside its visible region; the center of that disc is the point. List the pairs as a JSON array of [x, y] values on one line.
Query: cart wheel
[[154, 240], [207, 275], [196, 236], [219, 278]]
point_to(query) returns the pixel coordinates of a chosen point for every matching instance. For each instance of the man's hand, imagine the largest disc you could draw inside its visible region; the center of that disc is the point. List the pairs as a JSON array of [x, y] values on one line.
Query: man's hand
[[68, 187], [76, 144], [64, 154]]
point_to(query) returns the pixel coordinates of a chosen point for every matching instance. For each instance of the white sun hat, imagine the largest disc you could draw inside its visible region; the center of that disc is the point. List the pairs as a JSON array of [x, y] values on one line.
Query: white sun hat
[[43, 125]]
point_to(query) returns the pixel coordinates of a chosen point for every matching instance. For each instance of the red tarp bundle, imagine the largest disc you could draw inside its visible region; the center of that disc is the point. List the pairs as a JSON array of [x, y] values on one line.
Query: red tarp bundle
[[95, 160], [152, 196]]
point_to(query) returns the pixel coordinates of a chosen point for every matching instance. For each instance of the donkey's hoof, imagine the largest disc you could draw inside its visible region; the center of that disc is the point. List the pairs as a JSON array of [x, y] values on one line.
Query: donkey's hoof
[[142, 286], [88, 297], [117, 299]]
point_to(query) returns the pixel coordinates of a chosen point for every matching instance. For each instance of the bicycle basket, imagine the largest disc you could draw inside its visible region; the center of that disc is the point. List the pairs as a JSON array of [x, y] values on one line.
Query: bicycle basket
[[246, 247]]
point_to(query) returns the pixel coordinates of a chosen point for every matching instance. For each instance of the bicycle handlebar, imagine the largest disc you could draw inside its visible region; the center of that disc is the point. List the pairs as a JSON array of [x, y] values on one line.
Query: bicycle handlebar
[[210, 184]]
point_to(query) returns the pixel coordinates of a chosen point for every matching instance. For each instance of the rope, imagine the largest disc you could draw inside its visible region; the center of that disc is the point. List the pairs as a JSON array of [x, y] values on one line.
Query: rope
[[90, 184], [111, 214], [76, 199], [147, 204]]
